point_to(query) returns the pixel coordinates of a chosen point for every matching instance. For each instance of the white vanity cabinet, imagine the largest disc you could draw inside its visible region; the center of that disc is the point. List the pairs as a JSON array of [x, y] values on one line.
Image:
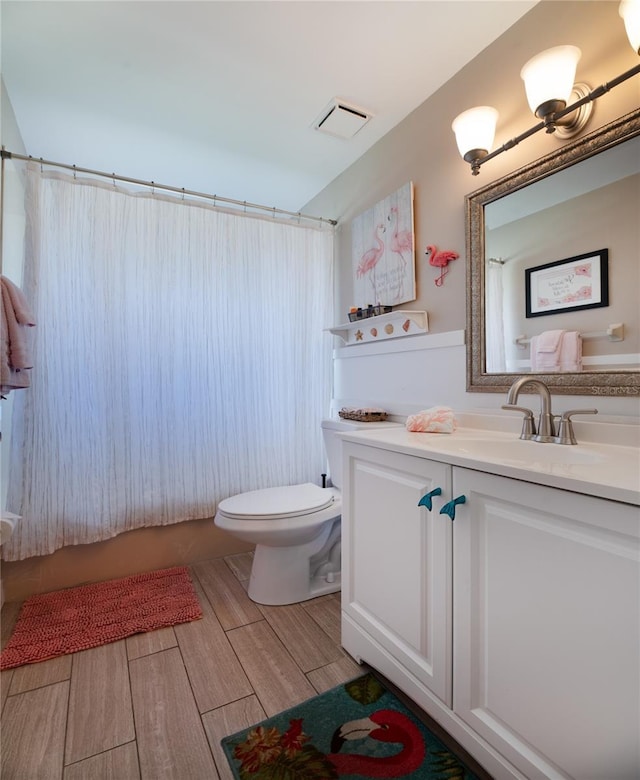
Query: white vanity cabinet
[[397, 558], [547, 627], [516, 626]]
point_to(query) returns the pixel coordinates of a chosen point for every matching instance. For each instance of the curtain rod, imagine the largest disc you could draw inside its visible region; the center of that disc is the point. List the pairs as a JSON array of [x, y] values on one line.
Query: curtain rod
[[154, 185]]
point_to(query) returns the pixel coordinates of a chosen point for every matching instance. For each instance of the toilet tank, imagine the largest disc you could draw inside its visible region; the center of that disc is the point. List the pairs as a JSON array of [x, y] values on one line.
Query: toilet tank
[[331, 429]]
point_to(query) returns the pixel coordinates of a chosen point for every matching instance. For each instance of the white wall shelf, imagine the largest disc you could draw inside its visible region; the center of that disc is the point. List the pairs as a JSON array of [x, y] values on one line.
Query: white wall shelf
[[385, 326]]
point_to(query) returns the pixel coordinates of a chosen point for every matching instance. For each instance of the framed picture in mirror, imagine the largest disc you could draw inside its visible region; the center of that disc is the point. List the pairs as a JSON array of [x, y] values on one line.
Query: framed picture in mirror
[[571, 284]]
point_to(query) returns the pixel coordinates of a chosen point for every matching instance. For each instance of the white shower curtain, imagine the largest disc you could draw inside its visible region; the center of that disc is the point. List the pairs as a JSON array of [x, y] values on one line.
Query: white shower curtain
[[179, 359], [494, 318]]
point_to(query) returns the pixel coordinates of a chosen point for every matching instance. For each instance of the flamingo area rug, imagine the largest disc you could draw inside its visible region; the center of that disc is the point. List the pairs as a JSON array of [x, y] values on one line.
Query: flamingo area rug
[[357, 730], [66, 621]]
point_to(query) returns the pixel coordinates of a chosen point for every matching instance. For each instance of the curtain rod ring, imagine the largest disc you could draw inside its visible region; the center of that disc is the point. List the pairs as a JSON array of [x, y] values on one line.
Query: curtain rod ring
[[74, 172]]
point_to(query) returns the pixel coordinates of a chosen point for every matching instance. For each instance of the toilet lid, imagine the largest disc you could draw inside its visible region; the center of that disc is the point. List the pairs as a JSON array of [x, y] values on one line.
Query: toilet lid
[[277, 502]]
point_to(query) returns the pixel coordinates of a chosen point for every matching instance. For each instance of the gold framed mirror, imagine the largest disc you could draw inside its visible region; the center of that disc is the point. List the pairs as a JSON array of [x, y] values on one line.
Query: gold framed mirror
[[617, 376]]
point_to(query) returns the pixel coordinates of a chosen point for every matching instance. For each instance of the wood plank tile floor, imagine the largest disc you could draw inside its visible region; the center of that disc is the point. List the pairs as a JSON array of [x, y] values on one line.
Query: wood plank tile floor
[[155, 706]]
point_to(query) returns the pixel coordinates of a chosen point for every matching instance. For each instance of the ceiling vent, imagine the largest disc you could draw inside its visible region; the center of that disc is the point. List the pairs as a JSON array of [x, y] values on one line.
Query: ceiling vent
[[341, 120]]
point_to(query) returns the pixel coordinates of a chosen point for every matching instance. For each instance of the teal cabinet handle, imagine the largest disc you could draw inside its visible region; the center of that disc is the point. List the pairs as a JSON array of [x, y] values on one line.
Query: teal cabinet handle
[[426, 500], [450, 507]]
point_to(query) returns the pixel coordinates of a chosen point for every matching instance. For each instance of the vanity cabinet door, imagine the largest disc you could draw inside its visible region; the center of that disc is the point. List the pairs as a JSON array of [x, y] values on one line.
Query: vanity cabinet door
[[547, 627], [396, 558]]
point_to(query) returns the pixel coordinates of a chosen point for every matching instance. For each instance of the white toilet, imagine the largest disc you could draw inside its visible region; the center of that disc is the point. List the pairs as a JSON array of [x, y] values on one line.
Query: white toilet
[[296, 529]]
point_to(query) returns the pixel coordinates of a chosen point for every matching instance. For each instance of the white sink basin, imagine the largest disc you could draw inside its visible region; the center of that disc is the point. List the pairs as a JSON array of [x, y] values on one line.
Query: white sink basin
[[518, 451]]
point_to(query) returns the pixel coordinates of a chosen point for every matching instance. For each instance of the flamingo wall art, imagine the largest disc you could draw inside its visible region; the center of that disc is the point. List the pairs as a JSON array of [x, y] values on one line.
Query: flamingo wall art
[[383, 251]]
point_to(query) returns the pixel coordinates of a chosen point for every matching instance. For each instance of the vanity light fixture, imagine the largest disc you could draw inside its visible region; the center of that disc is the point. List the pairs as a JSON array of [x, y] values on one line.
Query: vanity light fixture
[[549, 85], [475, 129], [629, 10]]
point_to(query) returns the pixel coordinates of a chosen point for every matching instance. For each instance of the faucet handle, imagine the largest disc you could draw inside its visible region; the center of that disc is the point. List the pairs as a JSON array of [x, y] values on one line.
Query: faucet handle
[[565, 429], [528, 424]]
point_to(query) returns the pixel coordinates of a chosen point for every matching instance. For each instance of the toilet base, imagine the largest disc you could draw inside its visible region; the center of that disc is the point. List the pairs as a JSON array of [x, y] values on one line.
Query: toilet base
[[284, 575], [286, 590]]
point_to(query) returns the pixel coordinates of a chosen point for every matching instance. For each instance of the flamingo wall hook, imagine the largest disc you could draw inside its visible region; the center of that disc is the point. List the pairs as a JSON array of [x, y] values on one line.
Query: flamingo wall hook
[[440, 260]]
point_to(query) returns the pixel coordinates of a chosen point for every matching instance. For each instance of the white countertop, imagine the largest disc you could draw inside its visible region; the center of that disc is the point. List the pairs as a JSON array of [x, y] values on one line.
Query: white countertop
[[604, 470]]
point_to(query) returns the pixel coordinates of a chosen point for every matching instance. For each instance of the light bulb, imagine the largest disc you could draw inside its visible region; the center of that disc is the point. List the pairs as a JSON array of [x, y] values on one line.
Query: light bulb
[[475, 130], [629, 10], [548, 79]]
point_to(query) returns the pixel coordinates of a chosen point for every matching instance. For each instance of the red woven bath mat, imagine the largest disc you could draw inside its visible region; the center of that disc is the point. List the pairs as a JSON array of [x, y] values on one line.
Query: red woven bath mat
[[67, 621]]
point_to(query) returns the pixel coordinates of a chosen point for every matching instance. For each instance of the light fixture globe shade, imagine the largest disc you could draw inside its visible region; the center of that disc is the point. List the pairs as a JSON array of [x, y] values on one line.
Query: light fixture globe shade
[[475, 129], [629, 10], [549, 76]]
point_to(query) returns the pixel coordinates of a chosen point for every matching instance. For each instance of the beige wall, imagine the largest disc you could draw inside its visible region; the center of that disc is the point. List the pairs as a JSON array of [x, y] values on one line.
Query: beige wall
[[422, 149]]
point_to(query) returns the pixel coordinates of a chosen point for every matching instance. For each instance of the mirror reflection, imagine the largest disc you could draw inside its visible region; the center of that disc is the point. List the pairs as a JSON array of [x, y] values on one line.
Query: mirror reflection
[[555, 268], [589, 207]]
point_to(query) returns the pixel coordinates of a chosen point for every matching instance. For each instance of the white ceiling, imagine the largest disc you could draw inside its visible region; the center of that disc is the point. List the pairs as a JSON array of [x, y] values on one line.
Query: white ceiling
[[220, 96]]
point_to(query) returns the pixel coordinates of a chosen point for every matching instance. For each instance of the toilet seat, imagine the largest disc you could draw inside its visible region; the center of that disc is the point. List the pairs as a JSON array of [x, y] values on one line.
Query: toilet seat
[[295, 530], [277, 503]]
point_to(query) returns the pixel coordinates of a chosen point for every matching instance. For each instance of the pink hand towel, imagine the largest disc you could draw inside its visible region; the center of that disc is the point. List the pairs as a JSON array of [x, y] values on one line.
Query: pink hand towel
[[545, 350], [571, 351], [437, 419], [18, 302], [566, 357], [15, 355], [549, 340]]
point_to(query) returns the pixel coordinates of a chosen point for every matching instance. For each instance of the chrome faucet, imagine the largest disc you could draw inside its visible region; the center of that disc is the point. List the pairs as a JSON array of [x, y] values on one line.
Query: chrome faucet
[[545, 431]]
